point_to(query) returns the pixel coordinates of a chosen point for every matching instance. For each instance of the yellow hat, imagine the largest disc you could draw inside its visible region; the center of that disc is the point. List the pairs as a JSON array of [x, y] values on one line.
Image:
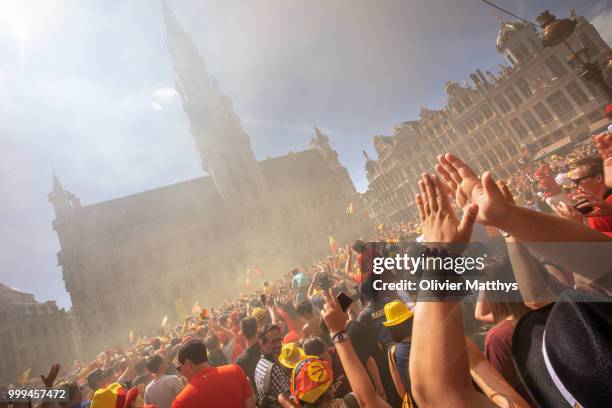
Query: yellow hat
[[290, 355], [258, 313], [112, 396], [396, 312]]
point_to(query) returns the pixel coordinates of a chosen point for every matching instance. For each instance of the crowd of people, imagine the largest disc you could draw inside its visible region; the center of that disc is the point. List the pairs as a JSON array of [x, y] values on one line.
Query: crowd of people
[[324, 337]]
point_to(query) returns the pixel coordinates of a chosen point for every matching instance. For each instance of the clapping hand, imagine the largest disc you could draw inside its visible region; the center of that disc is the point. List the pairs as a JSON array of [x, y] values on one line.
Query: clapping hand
[[469, 189], [504, 187], [567, 211], [600, 206], [438, 219]]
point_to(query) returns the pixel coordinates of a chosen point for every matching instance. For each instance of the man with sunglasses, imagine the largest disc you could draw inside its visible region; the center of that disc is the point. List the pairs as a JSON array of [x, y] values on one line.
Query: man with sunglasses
[[594, 198], [271, 378], [223, 387]]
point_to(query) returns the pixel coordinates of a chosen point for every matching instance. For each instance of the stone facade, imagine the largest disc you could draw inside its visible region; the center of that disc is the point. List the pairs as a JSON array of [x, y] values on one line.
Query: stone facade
[[129, 261], [539, 104], [33, 335]]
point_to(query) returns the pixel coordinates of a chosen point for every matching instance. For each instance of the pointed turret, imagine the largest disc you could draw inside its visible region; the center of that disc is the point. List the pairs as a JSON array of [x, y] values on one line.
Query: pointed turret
[[224, 147], [63, 201], [321, 143], [57, 186]]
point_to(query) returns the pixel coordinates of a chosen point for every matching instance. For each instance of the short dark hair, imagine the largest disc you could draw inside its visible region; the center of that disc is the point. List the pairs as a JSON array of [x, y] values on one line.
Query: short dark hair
[[594, 165], [154, 362], [367, 292], [94, 378], [295, 271], [72, 388], [314, 346], [211, 342], [400, 331], [194, 350], [267, 329], [304, 307], [140, 366], [248, 325]]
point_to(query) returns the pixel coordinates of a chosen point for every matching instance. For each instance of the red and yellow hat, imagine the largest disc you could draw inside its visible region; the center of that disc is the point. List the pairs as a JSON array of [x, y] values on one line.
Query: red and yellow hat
[[310, 378]]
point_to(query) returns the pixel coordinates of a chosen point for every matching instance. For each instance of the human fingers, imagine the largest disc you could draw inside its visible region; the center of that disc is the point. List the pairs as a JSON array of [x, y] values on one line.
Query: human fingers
[[431, 192], [441, 196], [505, 190], [587, 204], [462, 168], [426, 207], [420, 205], [445, 175], [490, 186], [450, 169]]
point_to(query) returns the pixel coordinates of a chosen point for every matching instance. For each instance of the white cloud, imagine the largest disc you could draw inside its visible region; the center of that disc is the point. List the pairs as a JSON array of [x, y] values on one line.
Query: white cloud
[[165, 94], [603, 24], [163, 97]]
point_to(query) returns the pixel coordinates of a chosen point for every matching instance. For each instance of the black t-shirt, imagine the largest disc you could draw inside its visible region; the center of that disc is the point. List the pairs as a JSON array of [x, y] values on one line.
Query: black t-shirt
[[248, 361], [373, 316], [366, 345]]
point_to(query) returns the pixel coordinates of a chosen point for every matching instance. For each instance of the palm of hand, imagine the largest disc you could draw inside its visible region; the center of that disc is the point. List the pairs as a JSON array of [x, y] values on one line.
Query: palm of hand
[[491, 207]]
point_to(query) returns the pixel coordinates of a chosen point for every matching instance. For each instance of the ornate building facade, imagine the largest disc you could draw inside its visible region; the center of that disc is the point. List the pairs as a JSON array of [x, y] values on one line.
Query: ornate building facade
[[129, 261], [539, 103], [33, 335]]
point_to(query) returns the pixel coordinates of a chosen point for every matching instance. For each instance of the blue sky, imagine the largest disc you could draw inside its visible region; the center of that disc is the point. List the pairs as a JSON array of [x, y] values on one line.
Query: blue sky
[[85, 87]]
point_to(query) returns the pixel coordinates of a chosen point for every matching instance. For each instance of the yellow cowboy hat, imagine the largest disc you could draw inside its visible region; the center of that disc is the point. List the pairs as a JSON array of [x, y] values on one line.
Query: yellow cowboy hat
[[396, 312], [290, 355]]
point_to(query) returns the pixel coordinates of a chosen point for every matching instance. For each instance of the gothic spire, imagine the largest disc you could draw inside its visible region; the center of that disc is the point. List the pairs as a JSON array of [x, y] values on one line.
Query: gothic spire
[[224, 147], [57, 186], [318, 132], [211, 114]]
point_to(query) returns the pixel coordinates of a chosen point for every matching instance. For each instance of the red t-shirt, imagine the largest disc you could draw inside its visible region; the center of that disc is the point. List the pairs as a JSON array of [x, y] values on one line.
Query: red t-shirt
[[216, 387], [498, 349], [602, 223]]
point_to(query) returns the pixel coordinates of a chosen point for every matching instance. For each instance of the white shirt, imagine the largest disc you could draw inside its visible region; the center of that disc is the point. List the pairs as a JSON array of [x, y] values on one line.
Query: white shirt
[[162, 390]]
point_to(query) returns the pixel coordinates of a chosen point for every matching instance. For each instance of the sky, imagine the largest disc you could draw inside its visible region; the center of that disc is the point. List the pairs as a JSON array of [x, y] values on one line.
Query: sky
[[87, 89]]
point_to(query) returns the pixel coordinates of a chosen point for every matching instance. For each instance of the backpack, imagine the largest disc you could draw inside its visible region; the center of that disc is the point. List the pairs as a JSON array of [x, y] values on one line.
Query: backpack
[[407, 401]]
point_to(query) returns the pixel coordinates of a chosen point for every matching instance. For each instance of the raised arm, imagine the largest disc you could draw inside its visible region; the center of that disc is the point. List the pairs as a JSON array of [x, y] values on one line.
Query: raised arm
[[439, 364], [537, 230], [483, 311], [524, 224], [336, 321]]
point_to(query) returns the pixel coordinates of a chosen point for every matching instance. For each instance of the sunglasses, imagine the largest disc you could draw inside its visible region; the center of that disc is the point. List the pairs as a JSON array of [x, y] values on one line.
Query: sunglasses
[[576, 182]]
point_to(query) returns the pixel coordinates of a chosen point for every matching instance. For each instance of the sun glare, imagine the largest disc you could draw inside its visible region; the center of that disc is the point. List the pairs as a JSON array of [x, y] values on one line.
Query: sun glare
[[20, 18]]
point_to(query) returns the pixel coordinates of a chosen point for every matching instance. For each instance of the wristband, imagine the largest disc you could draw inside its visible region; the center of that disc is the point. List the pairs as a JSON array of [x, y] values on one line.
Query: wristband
[[443, 276], [340, 336]]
